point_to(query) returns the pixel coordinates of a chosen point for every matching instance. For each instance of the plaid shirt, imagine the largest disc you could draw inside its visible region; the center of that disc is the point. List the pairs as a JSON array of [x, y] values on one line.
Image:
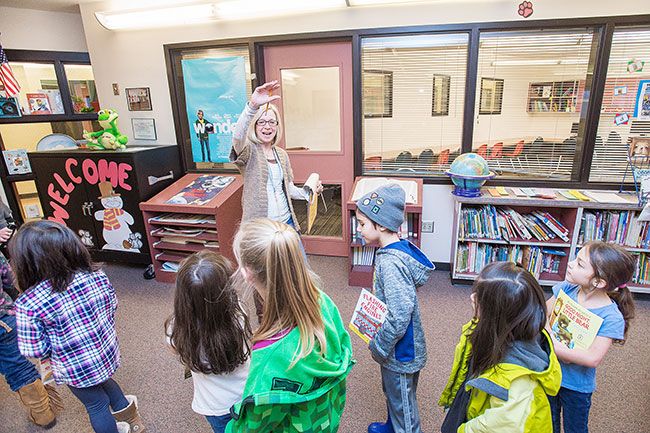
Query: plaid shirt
[[75, 328]]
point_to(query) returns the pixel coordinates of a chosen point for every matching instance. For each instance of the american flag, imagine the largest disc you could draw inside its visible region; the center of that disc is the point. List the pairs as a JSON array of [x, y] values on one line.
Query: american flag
[[12, 88]]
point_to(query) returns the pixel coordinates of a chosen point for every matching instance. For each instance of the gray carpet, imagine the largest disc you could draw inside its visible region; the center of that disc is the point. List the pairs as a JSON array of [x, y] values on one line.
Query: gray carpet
[[150, 370]]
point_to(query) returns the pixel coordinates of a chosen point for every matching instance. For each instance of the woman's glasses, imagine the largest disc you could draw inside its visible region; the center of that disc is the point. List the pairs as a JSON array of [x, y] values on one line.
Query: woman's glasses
[[270, 122]]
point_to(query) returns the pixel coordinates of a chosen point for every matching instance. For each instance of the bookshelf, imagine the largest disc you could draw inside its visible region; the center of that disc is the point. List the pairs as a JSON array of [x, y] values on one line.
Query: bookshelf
[[175, 231], [552, 97], [482, 233], [361, 257]]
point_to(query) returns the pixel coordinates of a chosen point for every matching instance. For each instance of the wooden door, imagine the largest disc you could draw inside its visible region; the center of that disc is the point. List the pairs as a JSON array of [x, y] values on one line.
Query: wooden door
[[316, 107]]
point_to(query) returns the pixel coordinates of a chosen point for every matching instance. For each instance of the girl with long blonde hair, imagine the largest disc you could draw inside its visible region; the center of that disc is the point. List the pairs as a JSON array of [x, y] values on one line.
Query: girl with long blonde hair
[[301, 353]]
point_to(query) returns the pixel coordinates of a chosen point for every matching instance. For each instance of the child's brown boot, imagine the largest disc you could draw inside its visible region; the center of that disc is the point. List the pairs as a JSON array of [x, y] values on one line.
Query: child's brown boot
[[130, 415], [35, 398]]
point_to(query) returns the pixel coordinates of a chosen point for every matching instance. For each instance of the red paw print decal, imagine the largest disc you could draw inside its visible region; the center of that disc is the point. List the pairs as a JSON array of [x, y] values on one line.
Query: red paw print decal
[[525, 9]]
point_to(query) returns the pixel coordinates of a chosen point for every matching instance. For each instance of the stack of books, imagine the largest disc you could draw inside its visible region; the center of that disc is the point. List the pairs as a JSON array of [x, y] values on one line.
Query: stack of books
[[363, 256], [642, 272], [504, 223], [620, 227], [472, 257]]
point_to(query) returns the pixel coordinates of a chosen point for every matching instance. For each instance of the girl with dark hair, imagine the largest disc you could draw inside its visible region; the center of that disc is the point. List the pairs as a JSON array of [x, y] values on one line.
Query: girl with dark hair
[[597, 279], [504, 365], [210, 332], [67, 313]]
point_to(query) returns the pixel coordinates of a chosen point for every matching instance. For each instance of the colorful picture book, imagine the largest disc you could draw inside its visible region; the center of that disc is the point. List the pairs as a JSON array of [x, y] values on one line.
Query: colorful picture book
[[572, 324], [366, 185], [471, 257], [620, 227], [201, 190], [38, 103], [17, 161], [369, 314]]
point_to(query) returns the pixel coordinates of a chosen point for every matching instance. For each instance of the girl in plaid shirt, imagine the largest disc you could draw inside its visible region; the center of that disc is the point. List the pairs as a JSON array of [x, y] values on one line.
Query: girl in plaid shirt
[[67, 313]]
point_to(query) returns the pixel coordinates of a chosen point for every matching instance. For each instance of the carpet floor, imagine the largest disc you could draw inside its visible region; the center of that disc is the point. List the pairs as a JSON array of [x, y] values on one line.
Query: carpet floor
[[149, 369]]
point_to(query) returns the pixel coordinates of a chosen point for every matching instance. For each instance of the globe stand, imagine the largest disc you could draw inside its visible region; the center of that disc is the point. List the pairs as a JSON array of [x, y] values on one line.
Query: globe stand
[[468, 186]]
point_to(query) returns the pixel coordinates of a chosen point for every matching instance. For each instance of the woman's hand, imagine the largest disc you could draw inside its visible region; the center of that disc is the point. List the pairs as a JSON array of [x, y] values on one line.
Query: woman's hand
[[319, 187], [5, 234], [262, 94]]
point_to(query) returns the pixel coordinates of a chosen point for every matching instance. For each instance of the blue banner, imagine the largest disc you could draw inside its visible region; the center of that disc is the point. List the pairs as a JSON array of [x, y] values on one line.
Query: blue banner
[[215, 94]]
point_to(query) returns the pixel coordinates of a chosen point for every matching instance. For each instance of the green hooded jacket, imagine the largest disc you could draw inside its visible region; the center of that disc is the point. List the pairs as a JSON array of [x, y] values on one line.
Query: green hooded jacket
[[510, 397], [307, 397]]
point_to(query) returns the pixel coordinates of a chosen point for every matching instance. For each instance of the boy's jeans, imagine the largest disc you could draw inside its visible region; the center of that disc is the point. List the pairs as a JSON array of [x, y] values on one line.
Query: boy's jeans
[[400, 391], [17, 370], [575, 407], [218, 423]]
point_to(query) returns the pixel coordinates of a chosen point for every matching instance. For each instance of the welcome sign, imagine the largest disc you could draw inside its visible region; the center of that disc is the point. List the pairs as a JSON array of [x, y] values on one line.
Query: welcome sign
[[215, 95]]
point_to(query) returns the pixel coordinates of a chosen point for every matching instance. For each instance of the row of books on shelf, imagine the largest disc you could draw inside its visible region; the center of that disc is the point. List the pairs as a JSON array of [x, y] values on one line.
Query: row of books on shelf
[[504, 223], [472, 257], [621, 227], [363, 256], [409, 228], [642, 270]]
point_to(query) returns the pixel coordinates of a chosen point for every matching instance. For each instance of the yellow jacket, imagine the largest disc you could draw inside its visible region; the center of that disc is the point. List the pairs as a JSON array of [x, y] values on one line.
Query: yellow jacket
[[510, 397]]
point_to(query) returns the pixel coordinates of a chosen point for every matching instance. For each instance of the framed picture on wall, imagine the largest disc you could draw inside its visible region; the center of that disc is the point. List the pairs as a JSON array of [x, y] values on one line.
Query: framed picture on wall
[[440, 95], [138, 98], [377, 93], [144, 129], [491, 96]]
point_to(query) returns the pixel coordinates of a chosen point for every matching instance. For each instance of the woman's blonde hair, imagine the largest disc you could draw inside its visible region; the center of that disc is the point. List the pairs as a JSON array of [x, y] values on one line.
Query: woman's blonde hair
[[270, 252], [252, 134]]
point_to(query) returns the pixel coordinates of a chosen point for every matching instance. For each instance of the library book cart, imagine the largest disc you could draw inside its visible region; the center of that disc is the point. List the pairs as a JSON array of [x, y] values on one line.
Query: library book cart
[[361, 256], [174, 231], [544, 234]]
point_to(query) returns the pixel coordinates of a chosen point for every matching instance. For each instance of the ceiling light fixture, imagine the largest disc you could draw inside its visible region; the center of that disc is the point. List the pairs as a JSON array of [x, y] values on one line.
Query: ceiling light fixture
[[157, 17], [255, 9]]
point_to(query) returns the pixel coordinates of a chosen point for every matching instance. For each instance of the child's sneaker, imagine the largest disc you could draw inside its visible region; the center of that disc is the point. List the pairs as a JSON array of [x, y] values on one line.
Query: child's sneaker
[[123, 427]]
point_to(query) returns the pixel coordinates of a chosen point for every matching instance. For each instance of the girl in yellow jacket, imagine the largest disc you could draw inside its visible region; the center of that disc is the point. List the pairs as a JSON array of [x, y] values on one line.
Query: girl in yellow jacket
[[504, 365]]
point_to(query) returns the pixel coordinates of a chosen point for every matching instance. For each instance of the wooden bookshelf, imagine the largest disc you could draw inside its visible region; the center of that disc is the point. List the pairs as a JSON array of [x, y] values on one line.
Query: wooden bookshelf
[[572, 214], [552, 97], [361, 271], [224, 212]]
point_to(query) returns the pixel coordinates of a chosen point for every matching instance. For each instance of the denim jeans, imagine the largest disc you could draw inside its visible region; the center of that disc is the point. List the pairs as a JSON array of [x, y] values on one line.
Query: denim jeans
[[218, 423], [97, 399], [400, 391], [17, 370], [574, 407]]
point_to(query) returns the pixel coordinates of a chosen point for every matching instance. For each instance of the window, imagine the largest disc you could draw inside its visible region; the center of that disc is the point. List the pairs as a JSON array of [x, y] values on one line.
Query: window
[[39, 91], [82, 88], [623, 117], [424, 132], [377, 94], [491, 96], [538, 95], [440, 95]]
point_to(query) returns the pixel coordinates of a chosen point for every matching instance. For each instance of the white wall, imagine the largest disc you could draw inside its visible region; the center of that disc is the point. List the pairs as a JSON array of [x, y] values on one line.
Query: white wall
[[28, 29], [136, 58]]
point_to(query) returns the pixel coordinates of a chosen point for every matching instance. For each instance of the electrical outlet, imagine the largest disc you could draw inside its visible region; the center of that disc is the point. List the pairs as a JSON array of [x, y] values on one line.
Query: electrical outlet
[[427, 226]]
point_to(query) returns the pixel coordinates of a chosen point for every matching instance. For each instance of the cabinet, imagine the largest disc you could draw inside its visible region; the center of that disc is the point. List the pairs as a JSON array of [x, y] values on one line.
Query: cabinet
[[361, 257], [212, 226], [552, 97], [96, 194], [480, 235]]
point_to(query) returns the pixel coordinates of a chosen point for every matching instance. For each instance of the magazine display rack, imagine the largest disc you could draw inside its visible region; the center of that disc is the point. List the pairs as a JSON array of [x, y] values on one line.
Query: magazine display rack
[[482, 232], [176, 229], [362, 256]]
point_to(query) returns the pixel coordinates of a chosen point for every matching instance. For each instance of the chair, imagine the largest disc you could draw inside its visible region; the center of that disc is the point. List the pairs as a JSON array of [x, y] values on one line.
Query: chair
[[404, 157], [373, 163], [482, 150], [516, 155], [443, 159], [425, 159], [496, 151]]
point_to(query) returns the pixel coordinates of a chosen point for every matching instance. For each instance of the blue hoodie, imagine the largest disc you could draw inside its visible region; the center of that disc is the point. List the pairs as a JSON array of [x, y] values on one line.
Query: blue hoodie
[[399, 344]]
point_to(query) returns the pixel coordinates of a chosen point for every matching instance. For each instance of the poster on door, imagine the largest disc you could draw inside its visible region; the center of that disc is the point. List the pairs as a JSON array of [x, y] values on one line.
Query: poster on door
[[642, 107], [215, 95]]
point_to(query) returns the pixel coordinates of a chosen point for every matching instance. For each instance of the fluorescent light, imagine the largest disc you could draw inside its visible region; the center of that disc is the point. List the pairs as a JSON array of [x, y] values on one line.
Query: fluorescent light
[[380, 2], [157, 17], [525, 62], [255, 9], [574, 62]]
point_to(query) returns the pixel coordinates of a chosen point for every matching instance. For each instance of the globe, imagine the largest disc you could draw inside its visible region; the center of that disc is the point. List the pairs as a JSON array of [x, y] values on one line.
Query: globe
[[468, 173]]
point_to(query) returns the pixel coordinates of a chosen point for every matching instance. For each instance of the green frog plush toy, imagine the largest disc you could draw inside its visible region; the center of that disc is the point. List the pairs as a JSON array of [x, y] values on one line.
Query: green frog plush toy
[[109, 137]]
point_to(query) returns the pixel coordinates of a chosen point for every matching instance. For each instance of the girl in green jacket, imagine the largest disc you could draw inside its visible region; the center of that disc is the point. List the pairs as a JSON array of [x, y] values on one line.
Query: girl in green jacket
[[504, 366], [302, 352]]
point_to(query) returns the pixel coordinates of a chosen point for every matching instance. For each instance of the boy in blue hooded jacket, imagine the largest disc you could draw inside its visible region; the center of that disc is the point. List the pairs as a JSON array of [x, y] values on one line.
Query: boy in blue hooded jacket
[[400, 267]]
